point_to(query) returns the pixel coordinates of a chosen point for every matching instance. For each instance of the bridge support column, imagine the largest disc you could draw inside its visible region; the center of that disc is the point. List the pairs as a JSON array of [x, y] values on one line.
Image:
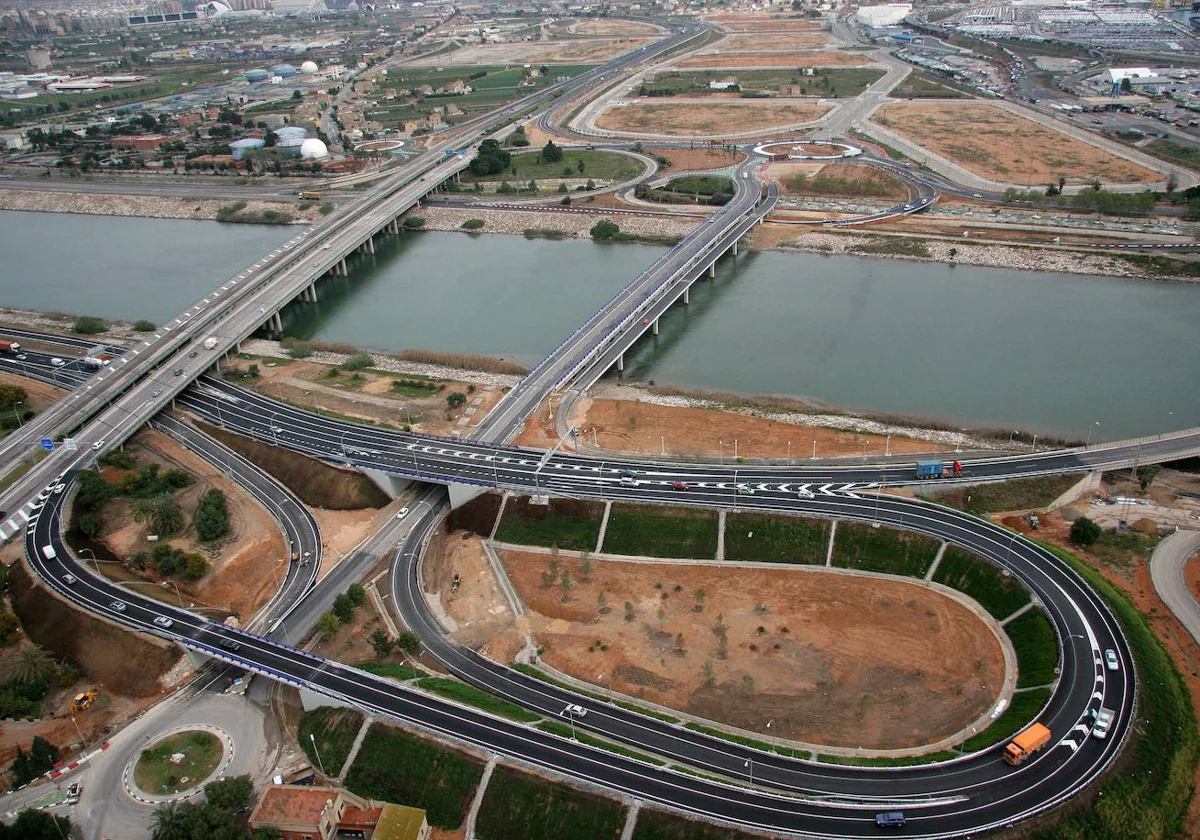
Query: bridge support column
[[734, 250], [371, 244], [712, 271], [655, 326], [277, 324], [687, 295], [312, 292], [342, 270], [621, 362]]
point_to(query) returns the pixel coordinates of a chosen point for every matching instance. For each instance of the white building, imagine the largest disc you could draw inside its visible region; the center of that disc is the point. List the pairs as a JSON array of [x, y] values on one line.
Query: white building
[[1116, 74], [888, 15]]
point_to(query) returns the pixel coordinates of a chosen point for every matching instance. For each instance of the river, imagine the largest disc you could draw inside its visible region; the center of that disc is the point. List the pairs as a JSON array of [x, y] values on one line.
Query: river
[[974, 347]]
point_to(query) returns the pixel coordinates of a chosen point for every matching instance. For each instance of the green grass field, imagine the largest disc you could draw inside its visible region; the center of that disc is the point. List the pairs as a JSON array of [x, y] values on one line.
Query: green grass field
[[652, 531], [397, 767], [563, 523], [564, 730], [659, 825], [999, 594], [848, 82], [335, 730], [471, 696], [776, 539], [598, 165], [920, 85], [519, 806], [861, 546], [1036, 646], [156, 773], [1018, 494], [391, 670]]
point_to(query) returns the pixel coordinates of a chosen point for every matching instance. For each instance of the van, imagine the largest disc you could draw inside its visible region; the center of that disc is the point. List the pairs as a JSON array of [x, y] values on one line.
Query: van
[[49, 553], [890, 819], [57, 362], [1103, 719]]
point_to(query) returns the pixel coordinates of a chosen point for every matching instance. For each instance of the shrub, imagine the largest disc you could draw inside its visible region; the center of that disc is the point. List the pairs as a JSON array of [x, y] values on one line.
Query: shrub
[[455, 399], [414, 222], [359, 361], [604, 230], [1084, 532], [143, 325], [325, 209], [472, 224], [296, 348], [87, 325], [212, 516]]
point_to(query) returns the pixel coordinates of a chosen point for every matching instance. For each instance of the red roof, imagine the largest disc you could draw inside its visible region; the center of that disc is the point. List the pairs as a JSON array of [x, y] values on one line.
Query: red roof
[[293, 805], [359, 817]]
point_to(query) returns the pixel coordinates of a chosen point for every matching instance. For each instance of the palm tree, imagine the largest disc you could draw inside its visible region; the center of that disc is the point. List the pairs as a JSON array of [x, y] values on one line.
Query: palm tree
[[34, 663], [168, 822]]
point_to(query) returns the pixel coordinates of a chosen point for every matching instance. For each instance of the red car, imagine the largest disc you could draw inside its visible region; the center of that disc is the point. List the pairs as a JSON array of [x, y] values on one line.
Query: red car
[[679, 485]]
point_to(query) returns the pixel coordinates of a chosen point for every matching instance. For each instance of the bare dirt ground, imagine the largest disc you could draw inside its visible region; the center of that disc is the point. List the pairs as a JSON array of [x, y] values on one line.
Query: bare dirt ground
[[832, 659], [698, 159], [816, 58], [241, 579], [880, 184], [626, 425], [485, 622], [369, 396], [342, 530], [693, 119], [597, 50], [40, 395], [764, 42], [613, 28], [995, 144], [763, 23], [158, 207]]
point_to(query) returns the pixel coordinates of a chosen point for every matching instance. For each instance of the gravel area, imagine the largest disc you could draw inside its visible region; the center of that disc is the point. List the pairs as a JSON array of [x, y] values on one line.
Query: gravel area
[[156, 207], [576, 225]]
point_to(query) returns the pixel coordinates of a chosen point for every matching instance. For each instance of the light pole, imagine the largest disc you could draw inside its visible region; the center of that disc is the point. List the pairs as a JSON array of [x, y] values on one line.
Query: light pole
[[750, 764], [94, 560], [177, 593], [312, 737], [814, 455], [601, 677], [735, 449], [774, 746], [82, 740], [722, 445], [16, 415], [1035, 443], [274, 434], [878, 493], [789, 452], [662, 444], [887, 447], [1089, 437], [1010, 437], [345, 456]]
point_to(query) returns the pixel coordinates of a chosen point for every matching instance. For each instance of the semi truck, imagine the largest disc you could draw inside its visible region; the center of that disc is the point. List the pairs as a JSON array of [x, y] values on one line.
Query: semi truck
[[1026, 744], [10, 347], [937, 469], [310, 195]]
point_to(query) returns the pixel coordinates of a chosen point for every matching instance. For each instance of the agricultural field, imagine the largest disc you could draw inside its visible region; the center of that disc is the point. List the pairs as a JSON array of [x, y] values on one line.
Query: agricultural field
[[920, 85], [770, 42], [607, 166], [707, 119], [653, 531], [993, 143], [521, 806], [334, 730], [839, 83], [814, 58], [886, 550]]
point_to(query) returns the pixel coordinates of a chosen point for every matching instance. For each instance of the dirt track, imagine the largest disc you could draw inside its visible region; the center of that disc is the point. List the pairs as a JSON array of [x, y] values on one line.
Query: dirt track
[[839, 660]]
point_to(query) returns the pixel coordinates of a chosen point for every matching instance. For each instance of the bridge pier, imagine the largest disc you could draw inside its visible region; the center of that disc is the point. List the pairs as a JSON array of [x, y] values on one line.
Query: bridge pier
[[712, 271], [341, 268], [312, 292], [370, 243], [621, 362], [655, 327], [687, 295], [734, 249]]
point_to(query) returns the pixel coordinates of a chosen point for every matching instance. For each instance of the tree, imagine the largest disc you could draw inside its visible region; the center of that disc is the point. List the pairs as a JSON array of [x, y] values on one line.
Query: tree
[[604, 230], [212, 516], [90, 524], [562, 187], [1084, 532], [270, 139], [455, 399], [357, 594], [161, 513], [629, 616], [699, 597], [409, 642], [551, 153], [37, 825], [679, 643], [585, 566], [232, 795], [328, 625], [343, 608], [564, 583], [709, 680], [168, 822], [580, 165], [602, 604], [297, 95], [33, 663], [382, 643], [10, 629], [490, 160]]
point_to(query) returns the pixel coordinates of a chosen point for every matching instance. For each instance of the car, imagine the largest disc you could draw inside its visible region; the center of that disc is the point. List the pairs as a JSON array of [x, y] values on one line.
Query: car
[[626, 481], [1102, 720], [745, 490], [69, 580], [626, 473], [118, 606], [98, 445], [976, 195], [193, 354], [573, 710], [157, 392], [1110, 659], [230, 645], [163, 621], [21, 357], [679, 485], [403, 512], [59, 489], [890, 819], [179, 371], [57, 362], [326, 247]]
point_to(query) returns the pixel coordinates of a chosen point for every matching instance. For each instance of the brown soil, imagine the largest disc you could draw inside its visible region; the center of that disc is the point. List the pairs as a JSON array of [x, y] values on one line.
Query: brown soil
[[39, 394], [485, 622], [888, 186], [318, 484], [708, 119], [683, 160], [996, 144], [342, 530], [752, 43], [349, 644], [763, 23], [598, 50], [815, 58], [614, 27], [111, 656], [891, 653], [625, 425], [108, 711], [241, 579]]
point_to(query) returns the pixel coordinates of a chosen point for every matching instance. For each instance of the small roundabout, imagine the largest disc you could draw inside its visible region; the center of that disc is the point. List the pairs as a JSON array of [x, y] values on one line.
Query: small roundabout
[[178, 763]]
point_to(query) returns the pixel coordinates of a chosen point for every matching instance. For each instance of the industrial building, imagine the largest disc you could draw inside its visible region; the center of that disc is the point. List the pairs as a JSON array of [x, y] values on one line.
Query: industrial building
[[887, 15]]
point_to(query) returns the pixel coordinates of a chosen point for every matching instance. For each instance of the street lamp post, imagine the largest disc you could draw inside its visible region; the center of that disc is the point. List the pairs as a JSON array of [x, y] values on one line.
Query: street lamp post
[[1010, 437], [721, 443], [750, 764], [789, 452], [1089, 437], [82, 740], [814, 450], [177, 593], [94, 560], [16, 415], [312, 737], [887, 447], [770, 723]]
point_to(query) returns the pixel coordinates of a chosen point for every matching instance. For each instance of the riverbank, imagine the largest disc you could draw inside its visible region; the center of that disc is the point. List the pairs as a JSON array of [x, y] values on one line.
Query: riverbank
[[148, 206]]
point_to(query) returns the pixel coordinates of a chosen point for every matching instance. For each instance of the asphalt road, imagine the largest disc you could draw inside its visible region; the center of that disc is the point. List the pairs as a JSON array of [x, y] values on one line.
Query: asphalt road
[[1167, 564]]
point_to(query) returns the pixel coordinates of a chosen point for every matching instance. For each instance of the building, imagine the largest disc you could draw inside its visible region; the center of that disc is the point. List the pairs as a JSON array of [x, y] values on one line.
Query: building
[[723, 84], [38, 59], [12, 141], [888, 15], [1116, 75], [300, 812], [140, 142]]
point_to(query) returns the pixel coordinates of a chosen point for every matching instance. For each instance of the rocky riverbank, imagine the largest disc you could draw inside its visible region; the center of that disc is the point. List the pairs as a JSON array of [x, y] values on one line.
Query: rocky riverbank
[[570, 224], [146, 206]]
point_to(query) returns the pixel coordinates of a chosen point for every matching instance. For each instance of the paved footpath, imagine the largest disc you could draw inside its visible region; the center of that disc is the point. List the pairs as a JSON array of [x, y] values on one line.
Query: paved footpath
[[1166, 571]]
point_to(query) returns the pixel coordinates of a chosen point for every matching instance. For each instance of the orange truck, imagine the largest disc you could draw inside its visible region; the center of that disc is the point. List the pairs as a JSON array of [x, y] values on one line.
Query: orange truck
[[1026, 744]]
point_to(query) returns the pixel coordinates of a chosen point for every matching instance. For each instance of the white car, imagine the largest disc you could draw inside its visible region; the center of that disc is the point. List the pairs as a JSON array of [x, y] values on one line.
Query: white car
[[57, 362], [163, 621], [119, 606], [69, 580], [1110, 659], [403, 512], [98, 445], [573, 710]]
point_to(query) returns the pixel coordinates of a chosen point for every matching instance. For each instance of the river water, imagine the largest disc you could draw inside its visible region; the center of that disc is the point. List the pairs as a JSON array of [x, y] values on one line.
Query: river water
[[1044, 352]]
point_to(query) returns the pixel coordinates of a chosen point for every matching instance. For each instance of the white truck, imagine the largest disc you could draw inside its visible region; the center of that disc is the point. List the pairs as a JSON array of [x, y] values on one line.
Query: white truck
[[210, 343]]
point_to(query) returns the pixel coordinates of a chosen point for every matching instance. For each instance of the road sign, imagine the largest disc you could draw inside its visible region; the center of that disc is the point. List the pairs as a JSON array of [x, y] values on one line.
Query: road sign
[[71, 444], [47, 444]]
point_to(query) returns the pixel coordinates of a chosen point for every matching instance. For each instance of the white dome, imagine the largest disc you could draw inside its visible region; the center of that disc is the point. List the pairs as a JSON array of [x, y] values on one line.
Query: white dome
[[313, 148], [308, 68]]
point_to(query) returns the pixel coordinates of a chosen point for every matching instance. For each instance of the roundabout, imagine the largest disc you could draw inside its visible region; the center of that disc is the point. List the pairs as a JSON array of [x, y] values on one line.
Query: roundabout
[[807, 150], [178, 763]]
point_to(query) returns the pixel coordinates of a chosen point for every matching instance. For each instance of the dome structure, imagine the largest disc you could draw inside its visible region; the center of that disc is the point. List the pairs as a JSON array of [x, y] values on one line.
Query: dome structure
[[256, 75], [312, 149], [214, 9], [284, 71], [291, 132], [290, 145], [309, 68], [240, 147]]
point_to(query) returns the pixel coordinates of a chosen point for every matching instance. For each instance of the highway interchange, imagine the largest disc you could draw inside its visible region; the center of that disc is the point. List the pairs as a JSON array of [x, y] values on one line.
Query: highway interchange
[[967, 795]]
